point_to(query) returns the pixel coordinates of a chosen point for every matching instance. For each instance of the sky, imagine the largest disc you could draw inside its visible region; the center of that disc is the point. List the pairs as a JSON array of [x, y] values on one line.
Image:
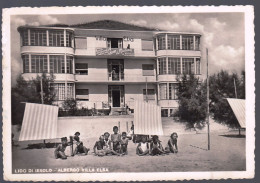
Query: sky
[[222, 33]]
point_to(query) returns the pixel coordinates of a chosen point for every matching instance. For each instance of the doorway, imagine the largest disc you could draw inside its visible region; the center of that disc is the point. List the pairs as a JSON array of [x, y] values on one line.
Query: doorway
[[116, 98], [115, 72]]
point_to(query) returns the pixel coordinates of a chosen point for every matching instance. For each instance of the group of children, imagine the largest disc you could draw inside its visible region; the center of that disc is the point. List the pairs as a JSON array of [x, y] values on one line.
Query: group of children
[[117, 145]]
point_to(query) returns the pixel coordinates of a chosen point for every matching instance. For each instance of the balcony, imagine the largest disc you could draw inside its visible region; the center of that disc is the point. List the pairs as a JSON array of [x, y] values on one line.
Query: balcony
[[114, 52], [115, 78]]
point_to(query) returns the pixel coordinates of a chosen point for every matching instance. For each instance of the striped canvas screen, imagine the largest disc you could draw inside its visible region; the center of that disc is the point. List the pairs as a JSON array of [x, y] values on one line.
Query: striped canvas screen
[[147, 119], [39, 122], [238, 107]]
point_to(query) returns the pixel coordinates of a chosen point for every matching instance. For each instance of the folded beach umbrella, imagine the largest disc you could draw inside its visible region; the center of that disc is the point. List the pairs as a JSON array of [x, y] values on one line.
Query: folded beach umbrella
[[238, 107], [147, 118], [39, 122]]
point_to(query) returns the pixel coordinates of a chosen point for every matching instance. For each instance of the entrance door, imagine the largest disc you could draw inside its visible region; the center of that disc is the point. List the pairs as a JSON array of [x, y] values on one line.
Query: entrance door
[[116, 98]]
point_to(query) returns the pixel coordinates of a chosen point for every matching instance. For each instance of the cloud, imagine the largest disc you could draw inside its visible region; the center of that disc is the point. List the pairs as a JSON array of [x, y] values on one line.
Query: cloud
[[139, 22], [167, 25], [227, 57], [47, 19]]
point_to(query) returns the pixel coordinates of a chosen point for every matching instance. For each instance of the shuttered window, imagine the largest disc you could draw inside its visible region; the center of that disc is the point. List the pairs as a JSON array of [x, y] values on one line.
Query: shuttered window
[[82, 94], [147, 45], [148, 69], [81, 42]]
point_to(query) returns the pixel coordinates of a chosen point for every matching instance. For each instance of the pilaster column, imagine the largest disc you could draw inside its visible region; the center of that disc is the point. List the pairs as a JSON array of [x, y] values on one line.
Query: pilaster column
[[181, 65], [30, 63], [195, 67], [194, 43], [47, 37], [48, 63], [64, 32], [29, 37]]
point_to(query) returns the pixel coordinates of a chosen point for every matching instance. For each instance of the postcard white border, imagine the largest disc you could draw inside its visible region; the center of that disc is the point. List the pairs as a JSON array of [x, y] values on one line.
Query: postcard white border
[[250, 95]]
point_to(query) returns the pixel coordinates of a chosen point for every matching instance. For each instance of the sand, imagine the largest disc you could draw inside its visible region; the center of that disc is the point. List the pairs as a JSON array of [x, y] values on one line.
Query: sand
[[227, 153]]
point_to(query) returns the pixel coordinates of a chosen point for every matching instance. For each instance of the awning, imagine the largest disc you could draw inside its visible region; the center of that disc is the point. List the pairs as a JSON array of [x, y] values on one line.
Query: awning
[[147, 119], [238, 107], [39, 122]]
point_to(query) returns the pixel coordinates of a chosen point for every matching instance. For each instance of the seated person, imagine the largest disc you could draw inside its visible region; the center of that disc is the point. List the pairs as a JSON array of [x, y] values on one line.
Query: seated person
[[143, 147], [116, 138], [107, 141], [101, 150], [130, 134], [156, 146], [60, 149], [124, 143], [80, 148], [172, 143]]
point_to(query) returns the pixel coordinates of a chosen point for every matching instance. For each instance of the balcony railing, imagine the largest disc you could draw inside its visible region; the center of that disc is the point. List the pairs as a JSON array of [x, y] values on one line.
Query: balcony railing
[[114, 52]]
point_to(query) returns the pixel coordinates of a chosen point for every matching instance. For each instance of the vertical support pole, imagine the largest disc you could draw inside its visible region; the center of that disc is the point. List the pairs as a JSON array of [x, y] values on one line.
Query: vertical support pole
[[71, 146], [235, 88], [47, 37], [127, 126], [119, 126], [30, 63], [48, 63], [208, 100], [195, 66], [146, 97], [166, 42], [41, 91], [64, 32], [180, 42]]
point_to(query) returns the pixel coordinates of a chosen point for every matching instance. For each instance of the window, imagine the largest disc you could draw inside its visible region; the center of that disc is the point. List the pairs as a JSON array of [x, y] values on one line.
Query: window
[[38, 37], [81, 68], [147, 45], [173, 42], [150, 94], [81, 42], [164, 112], [25, 38], [187, 43], [188, 66], [39, 63], [56, 38], [161, 43], [25, 63], [57, 64], [173, 88], [148, 69], [82, 94], [163, 91], [59, 89], [197, 43], [162, 65], [68, 39], [198, 65], [69, 64], [114, 43], [174, 65]]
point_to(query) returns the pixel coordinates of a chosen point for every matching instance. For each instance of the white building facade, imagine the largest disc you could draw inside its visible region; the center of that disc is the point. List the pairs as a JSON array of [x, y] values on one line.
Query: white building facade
[[111, 64]]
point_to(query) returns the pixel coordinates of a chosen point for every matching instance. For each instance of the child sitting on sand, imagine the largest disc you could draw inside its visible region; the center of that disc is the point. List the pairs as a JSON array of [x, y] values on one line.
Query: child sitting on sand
[[143, 147], [60, 149], [124, 143], [172, 143], [116, 138], [80, 148], [156, 146], [107, 141], [100, 149]]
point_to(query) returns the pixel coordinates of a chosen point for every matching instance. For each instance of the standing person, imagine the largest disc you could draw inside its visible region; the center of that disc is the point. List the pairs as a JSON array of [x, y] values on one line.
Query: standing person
[[143, 147], [172, 143], [156, 146], [116, 138], [80, 148], [130, 133], [124, 143], [60, 149]]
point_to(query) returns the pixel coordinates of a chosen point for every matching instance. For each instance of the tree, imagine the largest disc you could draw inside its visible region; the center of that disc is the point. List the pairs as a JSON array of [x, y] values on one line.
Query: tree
[[70, 105], [222, 86], [192, 100], [29, 91]]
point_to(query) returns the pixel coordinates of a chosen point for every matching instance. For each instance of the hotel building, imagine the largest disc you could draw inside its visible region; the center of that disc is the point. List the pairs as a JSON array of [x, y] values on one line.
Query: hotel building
[[110, 64]]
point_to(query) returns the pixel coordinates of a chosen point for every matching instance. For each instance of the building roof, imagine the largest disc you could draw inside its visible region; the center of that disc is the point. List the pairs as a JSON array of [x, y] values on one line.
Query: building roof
[[112, 25]]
